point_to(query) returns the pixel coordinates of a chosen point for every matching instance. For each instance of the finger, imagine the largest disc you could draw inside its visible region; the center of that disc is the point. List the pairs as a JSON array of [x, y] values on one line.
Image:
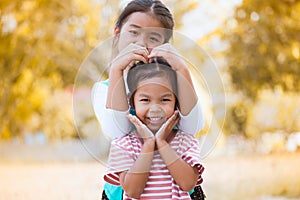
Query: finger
[[156, 53], [173, 117], [142, 129], [160, 50], [142, 51], [172, 121], [138, 57], [133, 50], [129, 58], [136, 49], [150, 60], [169, 124], [134, 120]]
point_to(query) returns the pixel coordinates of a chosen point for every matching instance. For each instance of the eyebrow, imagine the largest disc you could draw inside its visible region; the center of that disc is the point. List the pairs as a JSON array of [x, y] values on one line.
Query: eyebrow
[[135, 26], [167, 95], [152, 33], [146, 95], [143, 95]]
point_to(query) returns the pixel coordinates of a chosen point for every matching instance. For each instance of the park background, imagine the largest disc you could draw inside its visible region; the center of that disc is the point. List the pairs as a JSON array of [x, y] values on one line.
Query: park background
[[255, 45]]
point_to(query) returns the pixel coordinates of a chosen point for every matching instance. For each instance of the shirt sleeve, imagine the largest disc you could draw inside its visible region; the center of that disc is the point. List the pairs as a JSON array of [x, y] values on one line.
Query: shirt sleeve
[[192, 156], [114, 124], [193, 122], [120, 159]]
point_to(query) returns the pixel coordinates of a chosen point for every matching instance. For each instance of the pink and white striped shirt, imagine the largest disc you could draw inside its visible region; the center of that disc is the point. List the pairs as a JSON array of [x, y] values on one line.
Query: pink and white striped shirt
[[160, 184]]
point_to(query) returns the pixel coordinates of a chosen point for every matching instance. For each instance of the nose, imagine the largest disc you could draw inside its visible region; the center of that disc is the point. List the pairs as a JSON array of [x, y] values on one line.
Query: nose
[[141, 40], [156, 109]]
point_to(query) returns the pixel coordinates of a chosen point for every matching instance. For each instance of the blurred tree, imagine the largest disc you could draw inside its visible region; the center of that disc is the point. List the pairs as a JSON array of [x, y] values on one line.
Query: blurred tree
[[42, 44], [264, 46], [179, 8]]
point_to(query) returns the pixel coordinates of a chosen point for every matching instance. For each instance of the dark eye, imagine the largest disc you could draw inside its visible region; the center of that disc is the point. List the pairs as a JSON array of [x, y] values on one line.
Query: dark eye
[[144, 100], [134, 32], [154, 39], [166, 99]]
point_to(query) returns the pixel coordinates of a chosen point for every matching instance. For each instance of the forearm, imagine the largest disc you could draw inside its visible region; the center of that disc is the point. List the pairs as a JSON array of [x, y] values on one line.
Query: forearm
[[134, 180], [114, 124], [186, 91], [184, 175], [116, 96]]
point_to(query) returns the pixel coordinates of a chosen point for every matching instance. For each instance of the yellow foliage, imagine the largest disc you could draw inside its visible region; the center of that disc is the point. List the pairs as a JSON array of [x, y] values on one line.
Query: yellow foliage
[[274, 110], [193, 5], [262, 48], [38, 97], [204, 130], [23, 84], [41, 55], [296, 49], [6, 134]]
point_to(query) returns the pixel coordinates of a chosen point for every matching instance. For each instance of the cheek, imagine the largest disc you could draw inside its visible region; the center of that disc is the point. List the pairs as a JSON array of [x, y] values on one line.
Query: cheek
[[140, 110], [123, 41], [169, 110]]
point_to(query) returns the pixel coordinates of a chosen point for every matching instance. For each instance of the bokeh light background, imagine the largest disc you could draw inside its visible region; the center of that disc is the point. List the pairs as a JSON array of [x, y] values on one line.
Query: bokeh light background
[[248, 82]]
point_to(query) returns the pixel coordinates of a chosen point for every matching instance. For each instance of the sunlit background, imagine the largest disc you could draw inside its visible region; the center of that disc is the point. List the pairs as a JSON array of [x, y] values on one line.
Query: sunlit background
[[255, 45]]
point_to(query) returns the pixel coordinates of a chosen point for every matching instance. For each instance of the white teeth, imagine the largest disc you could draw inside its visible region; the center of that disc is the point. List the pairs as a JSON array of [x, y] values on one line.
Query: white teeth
[[154, 118]]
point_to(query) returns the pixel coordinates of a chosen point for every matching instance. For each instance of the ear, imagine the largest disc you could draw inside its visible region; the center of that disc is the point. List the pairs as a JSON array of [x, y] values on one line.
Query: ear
[[131, 103], [116, 38], [117, 30], [130, 98]]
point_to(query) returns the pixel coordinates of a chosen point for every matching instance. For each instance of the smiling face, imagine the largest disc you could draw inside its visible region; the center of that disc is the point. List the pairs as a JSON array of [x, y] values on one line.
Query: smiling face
[[142, 29], [154, 102]]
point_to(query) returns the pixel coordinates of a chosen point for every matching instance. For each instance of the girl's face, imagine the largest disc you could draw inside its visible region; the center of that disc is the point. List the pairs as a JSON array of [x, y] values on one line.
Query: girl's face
[[154, 102], [142, 29]]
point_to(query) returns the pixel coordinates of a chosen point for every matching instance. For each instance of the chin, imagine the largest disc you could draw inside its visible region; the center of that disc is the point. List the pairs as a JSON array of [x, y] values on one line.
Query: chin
[[154, 129]]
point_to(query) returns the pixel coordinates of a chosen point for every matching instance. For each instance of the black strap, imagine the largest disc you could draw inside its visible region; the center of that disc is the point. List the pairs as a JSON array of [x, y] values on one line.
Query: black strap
[[104, 197], [198, 193]]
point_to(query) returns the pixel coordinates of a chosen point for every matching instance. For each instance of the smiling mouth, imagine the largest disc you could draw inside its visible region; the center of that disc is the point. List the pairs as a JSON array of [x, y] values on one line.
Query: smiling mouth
[[155, 120]]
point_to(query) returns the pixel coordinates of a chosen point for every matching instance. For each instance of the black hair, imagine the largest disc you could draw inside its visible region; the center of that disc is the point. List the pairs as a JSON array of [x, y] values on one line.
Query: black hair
[[141, 71], [156, 7]]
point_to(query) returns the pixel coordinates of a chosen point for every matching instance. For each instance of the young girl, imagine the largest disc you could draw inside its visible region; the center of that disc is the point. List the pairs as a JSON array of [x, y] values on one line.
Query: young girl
[[141, 33], [155, 161]]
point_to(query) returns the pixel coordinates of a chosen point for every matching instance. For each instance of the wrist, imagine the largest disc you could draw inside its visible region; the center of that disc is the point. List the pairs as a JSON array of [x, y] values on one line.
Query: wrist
[[114, 70], [168, 155], [149, 145], [143, 163], [161, 143], [183, 71]]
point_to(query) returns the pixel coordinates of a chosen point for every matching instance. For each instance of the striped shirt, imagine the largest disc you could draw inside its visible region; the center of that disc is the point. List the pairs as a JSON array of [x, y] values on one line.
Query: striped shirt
[[160, 184]]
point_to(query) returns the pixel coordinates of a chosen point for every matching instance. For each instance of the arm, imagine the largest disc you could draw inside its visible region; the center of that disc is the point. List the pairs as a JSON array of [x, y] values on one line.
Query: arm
[[116, 96], [184, 175], [193, 122], [114, 124], [186, 92], [110, 100], [134, 180]]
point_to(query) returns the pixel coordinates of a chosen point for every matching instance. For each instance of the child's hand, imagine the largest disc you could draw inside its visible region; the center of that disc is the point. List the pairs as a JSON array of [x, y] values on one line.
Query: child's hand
[[165, 130], [129, 55], [141, 128], [170, 54]]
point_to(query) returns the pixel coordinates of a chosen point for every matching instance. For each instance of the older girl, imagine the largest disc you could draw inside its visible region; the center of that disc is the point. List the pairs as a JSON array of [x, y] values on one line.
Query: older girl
[[142, 32]]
